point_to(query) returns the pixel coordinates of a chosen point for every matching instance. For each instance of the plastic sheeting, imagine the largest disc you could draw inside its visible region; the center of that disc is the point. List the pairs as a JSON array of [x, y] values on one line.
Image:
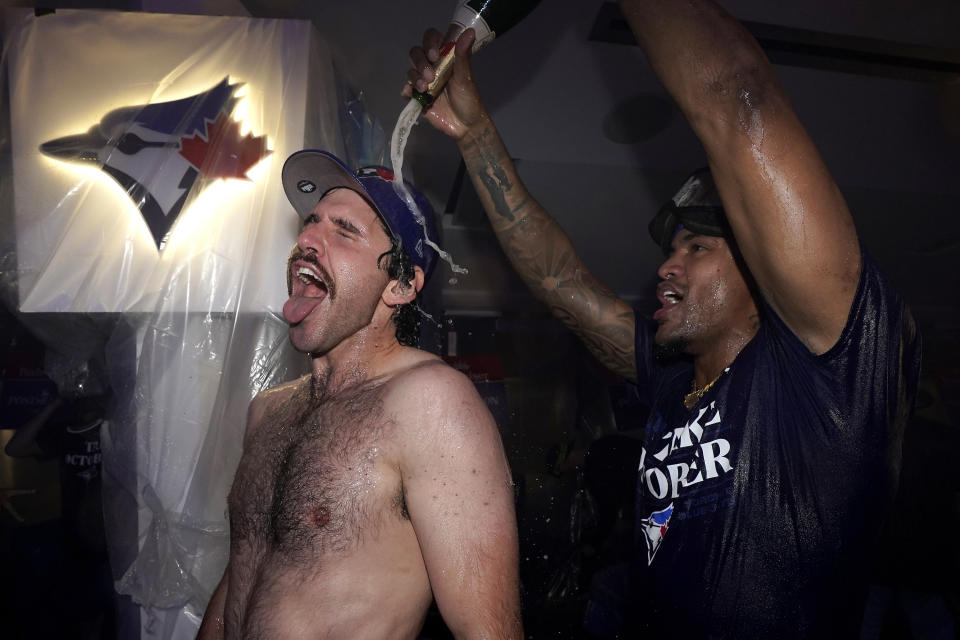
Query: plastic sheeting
[[113, 119]]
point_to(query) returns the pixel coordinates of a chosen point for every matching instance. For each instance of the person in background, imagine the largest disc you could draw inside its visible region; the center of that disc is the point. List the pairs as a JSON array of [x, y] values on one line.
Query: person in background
[[780, 366], [81, 600]]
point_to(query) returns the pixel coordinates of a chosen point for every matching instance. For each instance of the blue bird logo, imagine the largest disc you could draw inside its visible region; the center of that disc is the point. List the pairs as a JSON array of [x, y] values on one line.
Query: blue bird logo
[[164, 154], [654, 528]]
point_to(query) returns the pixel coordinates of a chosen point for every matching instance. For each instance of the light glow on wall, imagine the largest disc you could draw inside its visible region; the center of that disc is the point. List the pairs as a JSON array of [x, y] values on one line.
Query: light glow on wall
[[82, 242], [200, 208]]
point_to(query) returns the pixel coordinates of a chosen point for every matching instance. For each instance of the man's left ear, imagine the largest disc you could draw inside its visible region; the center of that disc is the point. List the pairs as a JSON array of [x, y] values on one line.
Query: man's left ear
[[399, 292]]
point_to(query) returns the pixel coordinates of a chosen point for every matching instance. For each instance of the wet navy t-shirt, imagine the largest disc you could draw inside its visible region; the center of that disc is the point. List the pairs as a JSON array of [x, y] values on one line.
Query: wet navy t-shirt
[[758, 508]]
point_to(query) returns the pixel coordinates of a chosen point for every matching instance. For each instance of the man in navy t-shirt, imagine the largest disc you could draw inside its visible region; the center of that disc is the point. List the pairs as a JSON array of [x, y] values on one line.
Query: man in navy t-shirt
[[779, 368], [761, 491]]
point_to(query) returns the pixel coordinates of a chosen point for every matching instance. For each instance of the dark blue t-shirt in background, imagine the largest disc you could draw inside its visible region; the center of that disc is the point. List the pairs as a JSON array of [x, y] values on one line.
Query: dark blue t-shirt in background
[[757, 509]]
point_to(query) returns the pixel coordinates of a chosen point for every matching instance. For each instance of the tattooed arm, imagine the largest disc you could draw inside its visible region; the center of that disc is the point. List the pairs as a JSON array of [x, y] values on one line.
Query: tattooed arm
[[543, 256], [539, 250]]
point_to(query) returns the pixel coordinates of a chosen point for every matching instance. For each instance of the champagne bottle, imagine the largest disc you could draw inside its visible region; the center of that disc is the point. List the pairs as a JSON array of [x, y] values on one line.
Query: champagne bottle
[[489, 19]]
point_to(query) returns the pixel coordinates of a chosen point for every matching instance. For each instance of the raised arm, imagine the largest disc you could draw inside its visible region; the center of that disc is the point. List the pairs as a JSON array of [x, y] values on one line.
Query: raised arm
[[790, 221], [537, 247], [459, 495]]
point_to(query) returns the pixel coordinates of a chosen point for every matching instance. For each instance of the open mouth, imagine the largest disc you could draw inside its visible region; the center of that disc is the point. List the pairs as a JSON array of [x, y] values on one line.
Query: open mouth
[[313, 283], [669, 297], [309, 285]]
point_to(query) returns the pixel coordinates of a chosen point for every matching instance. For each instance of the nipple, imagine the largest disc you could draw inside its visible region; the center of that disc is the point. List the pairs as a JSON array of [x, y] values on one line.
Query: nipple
[[321, 516]]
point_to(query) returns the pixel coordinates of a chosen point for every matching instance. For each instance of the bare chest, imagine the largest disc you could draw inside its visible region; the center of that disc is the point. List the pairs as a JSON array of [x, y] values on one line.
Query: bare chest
[[315, 480]]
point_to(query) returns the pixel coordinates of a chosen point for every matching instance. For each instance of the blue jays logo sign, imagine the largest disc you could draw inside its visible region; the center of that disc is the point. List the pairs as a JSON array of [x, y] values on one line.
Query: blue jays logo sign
[[164, 154]]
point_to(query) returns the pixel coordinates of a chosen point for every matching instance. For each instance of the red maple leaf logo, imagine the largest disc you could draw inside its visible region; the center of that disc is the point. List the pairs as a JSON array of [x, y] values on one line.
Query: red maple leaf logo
[[223, 152]]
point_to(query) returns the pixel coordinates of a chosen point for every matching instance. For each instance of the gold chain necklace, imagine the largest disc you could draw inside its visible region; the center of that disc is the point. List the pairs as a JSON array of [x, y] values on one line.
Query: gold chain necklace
[[691, 399]]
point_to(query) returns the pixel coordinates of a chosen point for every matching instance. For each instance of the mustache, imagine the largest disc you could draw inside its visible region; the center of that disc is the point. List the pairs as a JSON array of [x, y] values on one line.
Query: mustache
[[310, 257]]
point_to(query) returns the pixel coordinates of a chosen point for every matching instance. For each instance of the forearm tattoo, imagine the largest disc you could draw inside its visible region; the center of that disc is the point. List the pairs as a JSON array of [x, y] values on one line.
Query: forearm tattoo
[[484, 157], [545, 259]]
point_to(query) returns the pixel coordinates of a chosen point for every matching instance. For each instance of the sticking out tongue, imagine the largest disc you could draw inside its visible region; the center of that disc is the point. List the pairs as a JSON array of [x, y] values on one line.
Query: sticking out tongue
[[299, 307]]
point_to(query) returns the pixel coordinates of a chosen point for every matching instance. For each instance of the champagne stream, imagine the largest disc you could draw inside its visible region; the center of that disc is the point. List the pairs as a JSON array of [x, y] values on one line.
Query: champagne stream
[[398, 142]]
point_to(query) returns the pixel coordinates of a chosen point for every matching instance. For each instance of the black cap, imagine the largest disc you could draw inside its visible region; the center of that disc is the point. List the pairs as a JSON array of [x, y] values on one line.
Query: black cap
[[696, 206]]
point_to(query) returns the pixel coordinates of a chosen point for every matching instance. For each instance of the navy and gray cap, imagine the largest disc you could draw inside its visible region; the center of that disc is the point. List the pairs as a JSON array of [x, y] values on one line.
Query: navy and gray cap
[[696, 206], [308, 175]]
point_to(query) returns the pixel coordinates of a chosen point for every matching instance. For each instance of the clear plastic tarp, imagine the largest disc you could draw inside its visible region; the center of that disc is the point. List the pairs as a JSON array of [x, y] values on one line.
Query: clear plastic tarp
[[143, 240]]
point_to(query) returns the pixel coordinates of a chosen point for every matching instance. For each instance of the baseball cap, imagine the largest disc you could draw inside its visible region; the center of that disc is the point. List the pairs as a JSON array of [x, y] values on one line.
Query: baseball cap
[[696, 206], [309, 174]]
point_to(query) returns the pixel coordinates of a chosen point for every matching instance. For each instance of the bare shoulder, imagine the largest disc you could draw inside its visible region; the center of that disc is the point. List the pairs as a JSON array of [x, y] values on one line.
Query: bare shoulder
[[431, 379], [429, 395]]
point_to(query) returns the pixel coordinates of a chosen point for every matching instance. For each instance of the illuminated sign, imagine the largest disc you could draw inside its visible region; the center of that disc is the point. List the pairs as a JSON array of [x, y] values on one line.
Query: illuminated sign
[[163, 154], [132, 132]]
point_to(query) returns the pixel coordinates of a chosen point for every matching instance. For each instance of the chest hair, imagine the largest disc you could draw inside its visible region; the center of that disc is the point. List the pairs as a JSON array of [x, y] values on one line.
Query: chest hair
[[308, 483]]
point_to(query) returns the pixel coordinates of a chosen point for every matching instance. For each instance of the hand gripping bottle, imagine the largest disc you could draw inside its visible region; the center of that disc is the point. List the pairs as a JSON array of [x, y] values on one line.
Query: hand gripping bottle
[[489, 19]]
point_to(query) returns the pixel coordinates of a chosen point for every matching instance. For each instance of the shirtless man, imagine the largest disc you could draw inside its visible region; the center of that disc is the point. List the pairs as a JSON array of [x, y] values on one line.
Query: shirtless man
[[772, 448], [378, 482]]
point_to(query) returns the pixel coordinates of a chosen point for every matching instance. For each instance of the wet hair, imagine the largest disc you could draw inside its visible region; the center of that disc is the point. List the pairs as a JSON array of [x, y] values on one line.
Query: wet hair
[[406, 317]]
